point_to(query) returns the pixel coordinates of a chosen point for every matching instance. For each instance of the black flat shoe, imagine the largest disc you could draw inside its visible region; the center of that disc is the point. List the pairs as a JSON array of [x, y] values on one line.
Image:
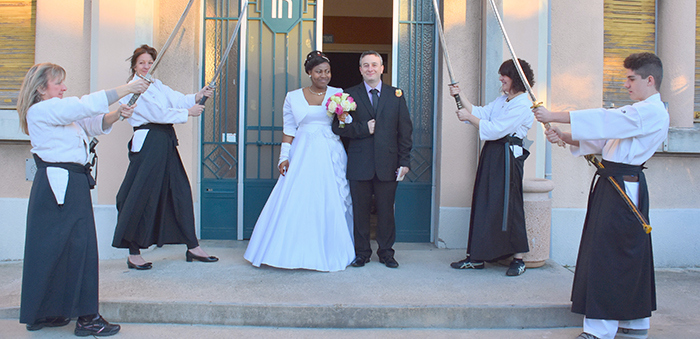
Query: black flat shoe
[[359, 261], [48, 322], [146, 266], [189, 256], [390, 262]]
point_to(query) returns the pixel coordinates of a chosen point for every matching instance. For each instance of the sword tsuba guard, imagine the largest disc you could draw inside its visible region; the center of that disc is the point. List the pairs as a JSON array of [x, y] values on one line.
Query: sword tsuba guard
[[536, 104], [144, 78]]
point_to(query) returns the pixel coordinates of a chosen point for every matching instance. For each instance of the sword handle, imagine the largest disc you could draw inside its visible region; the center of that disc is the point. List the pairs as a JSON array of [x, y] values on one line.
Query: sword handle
[[546, 125], [202, 100], [459, 101], [134, 98], [132, 101]]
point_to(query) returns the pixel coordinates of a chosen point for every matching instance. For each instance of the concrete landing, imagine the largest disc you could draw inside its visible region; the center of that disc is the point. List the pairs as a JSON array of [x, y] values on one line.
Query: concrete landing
[[424, 293]]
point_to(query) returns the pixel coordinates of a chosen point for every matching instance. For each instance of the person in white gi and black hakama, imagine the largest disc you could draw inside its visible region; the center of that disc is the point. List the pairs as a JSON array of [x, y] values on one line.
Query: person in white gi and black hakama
[[154, 202], [60, 272], [497, 222], [614, 281]]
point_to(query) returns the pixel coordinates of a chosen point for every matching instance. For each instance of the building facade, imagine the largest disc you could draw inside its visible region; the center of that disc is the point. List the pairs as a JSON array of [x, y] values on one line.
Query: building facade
[[230, 152]]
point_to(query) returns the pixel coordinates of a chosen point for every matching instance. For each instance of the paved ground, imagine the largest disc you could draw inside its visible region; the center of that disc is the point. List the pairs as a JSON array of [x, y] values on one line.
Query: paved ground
[[423, 281]]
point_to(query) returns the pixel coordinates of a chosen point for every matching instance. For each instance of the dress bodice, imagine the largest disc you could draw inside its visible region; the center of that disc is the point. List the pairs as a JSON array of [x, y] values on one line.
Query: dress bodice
[[316, 115]]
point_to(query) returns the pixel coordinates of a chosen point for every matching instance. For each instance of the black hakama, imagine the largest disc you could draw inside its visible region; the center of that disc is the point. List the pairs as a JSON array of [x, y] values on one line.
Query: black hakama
[[154, 202], [614, 277], [487, 238], [60, 273]]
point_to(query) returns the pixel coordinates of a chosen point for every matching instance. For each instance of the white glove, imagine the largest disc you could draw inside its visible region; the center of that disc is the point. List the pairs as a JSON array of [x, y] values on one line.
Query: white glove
[[284, 152]]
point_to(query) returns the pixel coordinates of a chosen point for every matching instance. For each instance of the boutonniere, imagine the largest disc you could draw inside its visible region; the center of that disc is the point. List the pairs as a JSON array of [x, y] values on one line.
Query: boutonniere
[[399, 93]]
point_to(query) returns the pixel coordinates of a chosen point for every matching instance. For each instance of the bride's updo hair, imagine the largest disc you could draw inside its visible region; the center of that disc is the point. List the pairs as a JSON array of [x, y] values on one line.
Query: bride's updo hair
[[314, 59]]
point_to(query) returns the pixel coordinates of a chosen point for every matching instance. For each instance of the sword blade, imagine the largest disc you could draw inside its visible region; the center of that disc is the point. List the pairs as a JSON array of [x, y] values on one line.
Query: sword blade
[[519, 68], [443, 43], [171, 37], [224, 57], [162, 51], [512, 53]]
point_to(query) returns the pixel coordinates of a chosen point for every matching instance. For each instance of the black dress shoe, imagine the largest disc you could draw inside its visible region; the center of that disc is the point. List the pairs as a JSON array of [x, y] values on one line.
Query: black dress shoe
[[359, 261], [48, 322], [189, 256], [389, 262], [146, 266]]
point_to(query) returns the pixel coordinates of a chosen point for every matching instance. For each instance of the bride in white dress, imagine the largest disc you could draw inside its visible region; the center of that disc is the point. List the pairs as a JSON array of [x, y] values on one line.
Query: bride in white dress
[[307, 220]]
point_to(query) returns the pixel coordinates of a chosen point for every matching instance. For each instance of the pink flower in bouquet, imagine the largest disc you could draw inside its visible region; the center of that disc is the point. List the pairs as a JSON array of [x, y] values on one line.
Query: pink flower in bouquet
[[340, 103]]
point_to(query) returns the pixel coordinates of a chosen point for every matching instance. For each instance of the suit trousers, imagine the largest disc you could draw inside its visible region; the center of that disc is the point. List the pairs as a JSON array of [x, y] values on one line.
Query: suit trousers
[[384, 192]]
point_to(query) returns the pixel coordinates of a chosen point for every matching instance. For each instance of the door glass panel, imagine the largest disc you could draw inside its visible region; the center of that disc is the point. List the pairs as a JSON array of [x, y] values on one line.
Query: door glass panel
[[417, 79], [220, 119]]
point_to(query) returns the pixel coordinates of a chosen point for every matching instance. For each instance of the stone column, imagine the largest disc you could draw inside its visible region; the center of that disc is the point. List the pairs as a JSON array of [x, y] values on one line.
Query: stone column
[[676, 46], [538, 219]]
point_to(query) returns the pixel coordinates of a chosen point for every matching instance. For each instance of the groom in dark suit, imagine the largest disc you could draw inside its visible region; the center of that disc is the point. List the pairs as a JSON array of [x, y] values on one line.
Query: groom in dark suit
[[379, 136]]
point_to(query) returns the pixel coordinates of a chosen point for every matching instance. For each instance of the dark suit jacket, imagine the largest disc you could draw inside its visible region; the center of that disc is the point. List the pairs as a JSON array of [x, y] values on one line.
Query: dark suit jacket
[[390, 145]]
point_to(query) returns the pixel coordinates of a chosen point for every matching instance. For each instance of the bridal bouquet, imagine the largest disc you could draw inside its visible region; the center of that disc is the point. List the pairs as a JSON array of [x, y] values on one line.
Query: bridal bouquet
[[340, 103]]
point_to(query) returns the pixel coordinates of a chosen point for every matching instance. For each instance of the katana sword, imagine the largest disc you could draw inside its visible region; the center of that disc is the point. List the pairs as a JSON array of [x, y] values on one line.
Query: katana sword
[[438, 23], [647, 228], [162, 51], [518, 67], [224, 57]]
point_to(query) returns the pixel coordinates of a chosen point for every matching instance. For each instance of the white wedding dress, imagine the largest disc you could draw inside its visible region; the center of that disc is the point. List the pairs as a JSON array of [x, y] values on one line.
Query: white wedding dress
[[307, 220]]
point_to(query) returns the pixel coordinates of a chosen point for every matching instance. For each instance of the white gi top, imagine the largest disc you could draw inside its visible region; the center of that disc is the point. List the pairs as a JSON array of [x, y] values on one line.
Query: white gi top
[[160, 104], [500, 117], [628, 135], [59, 128]]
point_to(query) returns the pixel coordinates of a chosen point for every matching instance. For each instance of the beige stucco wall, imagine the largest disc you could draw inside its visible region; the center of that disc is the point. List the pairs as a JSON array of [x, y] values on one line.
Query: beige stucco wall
[[58, 24], [91, 40], [178, 69], [577, 82], [577, 76], [457, 143], [676, 48]]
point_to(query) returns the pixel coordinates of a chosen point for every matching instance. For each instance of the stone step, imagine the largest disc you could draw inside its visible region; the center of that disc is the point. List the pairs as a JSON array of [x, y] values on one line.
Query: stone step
[[336, 316], [12, 329], [424, 292]]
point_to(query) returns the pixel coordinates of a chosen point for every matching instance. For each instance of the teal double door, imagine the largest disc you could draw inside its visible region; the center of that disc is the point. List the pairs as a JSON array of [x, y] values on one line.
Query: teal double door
[[242, 125]]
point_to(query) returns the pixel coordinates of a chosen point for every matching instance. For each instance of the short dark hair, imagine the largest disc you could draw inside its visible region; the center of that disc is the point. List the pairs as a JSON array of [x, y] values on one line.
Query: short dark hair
[[313, 59], [366, 53], [646, 64], [508, 69], [137, 53]]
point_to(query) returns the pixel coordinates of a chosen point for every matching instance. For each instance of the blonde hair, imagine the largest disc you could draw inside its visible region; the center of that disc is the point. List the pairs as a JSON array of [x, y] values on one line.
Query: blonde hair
[[37, 79]]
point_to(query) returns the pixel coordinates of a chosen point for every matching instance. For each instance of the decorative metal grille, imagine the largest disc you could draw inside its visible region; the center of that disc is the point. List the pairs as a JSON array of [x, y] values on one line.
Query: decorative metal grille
[[416, 55], [220, 118], [278, 58]]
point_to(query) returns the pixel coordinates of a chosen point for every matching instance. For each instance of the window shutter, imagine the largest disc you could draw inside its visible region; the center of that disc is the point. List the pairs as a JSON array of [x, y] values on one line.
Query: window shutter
[[630, 27], [17, 31]]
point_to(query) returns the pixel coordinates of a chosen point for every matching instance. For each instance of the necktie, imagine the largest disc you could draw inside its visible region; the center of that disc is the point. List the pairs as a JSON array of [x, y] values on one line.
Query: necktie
[[375, 98]]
